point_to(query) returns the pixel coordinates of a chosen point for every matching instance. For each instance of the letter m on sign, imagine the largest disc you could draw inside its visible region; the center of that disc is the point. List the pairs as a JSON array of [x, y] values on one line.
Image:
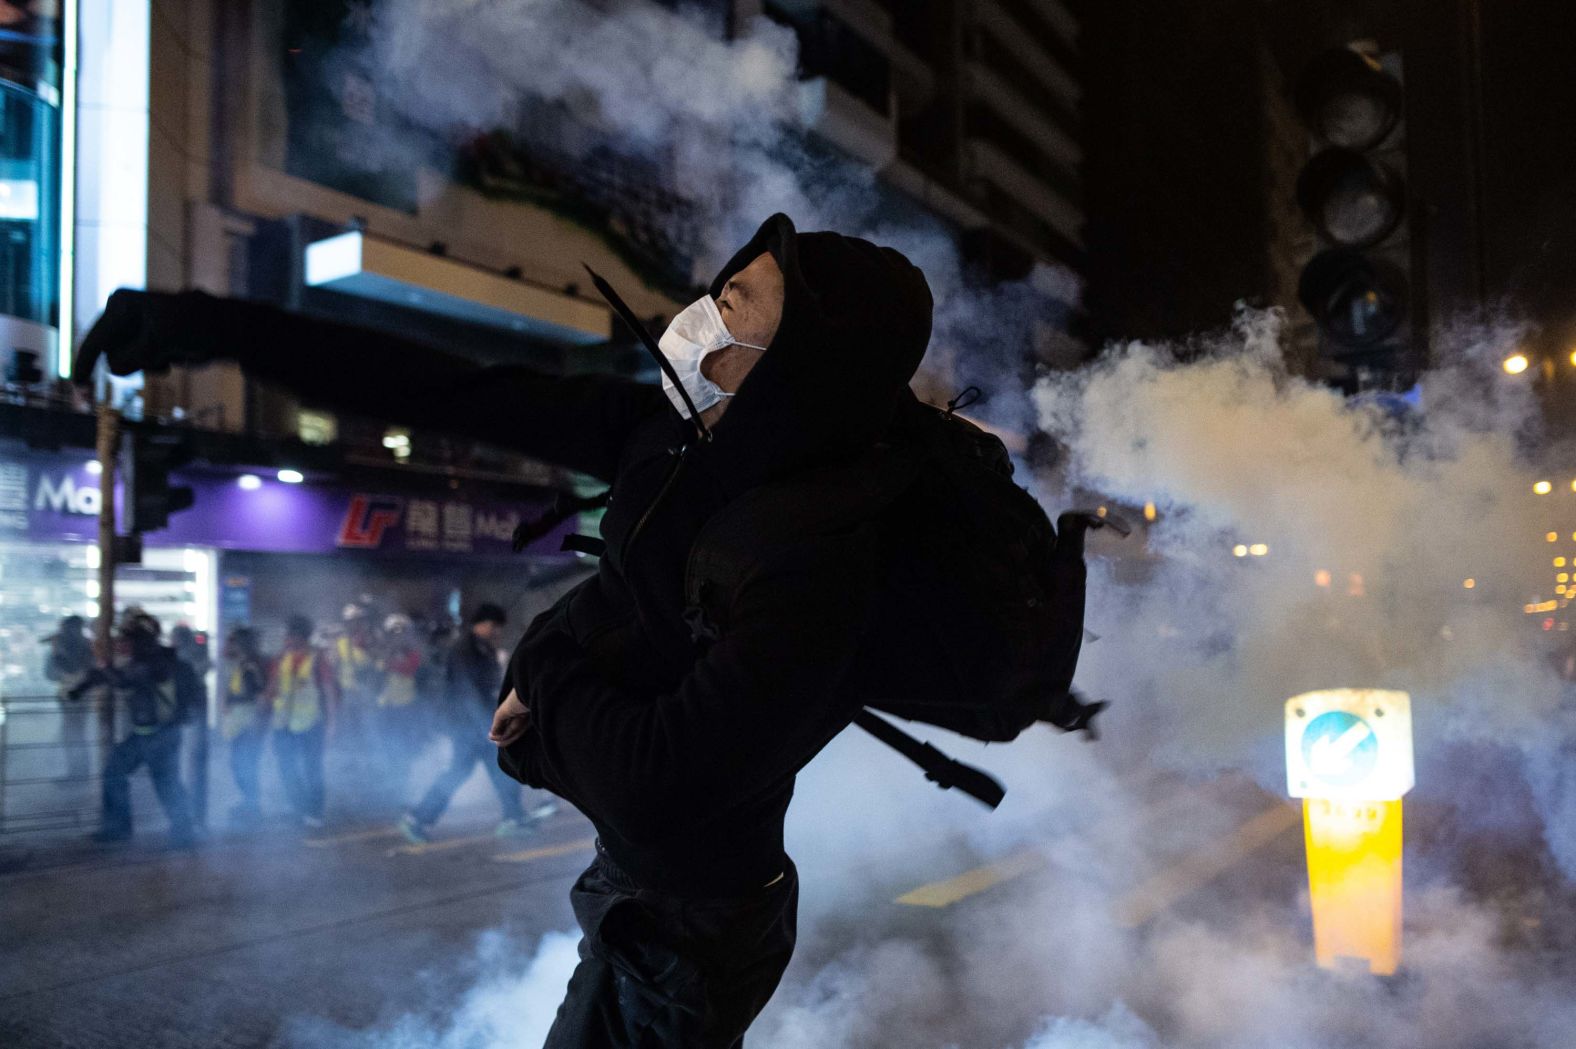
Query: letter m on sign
[[367, 519]]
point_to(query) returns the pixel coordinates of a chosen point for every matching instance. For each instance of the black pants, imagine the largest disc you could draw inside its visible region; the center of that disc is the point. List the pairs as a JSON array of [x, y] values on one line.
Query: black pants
[[469, 749], [161, 752], [657, 972]]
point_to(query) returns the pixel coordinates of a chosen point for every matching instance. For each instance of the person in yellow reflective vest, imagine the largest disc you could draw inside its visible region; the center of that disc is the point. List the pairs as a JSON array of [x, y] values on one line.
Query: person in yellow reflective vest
[[400, 714], [303, 692], [245, 721]]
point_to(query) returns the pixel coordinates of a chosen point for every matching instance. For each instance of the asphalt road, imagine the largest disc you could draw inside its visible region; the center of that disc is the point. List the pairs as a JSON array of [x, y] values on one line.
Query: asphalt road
[[221, 945], [305, 940]]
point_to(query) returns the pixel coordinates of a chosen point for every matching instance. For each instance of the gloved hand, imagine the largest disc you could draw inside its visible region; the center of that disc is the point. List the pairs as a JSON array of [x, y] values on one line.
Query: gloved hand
[[151, 330]]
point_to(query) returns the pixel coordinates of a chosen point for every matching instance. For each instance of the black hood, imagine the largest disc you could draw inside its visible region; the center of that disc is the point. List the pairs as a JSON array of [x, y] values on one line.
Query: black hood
[[855, 324]]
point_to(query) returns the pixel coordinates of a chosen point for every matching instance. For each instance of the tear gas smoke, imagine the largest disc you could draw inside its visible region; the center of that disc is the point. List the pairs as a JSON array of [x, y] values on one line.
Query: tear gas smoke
[[1370, 523], [719, 123]]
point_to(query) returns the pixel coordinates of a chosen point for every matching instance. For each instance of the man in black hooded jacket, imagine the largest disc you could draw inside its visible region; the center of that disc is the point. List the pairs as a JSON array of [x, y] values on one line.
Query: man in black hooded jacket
[[683, 756]]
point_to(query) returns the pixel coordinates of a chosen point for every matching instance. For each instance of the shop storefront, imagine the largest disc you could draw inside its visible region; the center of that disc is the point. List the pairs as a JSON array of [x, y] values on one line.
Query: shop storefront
[[253, 549]]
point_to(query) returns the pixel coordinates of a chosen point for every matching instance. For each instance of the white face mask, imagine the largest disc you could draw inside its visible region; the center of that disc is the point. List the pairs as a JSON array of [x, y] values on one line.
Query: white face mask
[[695, 333]]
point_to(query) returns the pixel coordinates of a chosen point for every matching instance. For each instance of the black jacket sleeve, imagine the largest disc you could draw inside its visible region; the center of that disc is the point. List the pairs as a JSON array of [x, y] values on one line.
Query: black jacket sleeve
[[578, 422], [757, 706]]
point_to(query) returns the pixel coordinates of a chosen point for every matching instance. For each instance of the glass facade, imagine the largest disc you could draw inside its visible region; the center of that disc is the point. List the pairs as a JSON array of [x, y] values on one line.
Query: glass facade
[[30, 169]]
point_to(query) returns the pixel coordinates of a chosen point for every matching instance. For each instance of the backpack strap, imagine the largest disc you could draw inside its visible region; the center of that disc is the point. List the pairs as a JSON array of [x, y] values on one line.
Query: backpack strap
[[943, 771]]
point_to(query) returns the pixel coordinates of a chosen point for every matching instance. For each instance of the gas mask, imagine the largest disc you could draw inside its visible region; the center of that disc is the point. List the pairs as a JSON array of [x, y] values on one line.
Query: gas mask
[[696, 332]]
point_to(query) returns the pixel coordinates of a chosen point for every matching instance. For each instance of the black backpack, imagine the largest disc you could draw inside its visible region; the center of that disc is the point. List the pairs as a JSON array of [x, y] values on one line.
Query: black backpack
[[981, 599]]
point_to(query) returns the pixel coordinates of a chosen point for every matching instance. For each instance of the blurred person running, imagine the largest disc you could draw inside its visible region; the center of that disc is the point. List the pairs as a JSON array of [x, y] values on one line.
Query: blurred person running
[[473, 674], [400, 712], [68, 664], [245, 722], [191, 648], [304, 693]]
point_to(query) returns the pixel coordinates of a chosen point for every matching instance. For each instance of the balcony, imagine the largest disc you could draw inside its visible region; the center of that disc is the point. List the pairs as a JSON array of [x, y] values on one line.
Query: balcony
[[830, 23], [849, 124], [1020, 43], [991, 164], [368, 267], [994, 92]]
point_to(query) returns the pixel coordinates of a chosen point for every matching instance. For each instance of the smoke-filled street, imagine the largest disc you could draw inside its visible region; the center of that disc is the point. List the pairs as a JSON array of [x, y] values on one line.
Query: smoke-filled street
[[1163, 912], [800, 524]]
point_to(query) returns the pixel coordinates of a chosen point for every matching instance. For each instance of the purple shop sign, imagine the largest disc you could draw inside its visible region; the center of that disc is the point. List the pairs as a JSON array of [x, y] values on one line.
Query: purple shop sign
[[55, 496]]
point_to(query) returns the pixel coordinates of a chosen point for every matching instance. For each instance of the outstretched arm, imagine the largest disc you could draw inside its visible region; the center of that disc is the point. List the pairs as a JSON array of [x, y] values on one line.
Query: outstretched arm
[[579, 422], [760, 703]]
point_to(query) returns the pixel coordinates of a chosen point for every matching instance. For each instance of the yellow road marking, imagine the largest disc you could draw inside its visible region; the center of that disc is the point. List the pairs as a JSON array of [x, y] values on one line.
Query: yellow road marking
[[1203, 865], [545, 851], [352, 836], [440, 846], [974, 882]]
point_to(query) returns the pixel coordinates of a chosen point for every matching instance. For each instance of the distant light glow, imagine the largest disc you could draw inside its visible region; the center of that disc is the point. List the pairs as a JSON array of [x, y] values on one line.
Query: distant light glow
[[1553, 537], [1468, 584], [1542, 488], [1516, 363], [1150, 513], [1259, 549], [250, 482], [94, 467], [1322, 578], [1559, 562], [291, 476], [1240, 550]]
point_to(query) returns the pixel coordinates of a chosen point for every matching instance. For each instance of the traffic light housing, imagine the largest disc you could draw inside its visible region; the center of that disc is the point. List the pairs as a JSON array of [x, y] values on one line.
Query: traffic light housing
[[146, 466], [1358, 285]]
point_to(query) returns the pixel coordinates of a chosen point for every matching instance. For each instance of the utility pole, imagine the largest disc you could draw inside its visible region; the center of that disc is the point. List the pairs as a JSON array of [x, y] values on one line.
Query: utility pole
[[108, 445]]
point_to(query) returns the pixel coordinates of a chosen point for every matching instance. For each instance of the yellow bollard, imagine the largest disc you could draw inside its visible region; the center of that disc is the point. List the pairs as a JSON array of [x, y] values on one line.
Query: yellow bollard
[[1349, 757], [1354, 881]]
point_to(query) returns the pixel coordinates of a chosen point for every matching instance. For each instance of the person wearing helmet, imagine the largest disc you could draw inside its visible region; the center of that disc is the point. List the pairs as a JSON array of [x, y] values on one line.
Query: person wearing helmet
[[399, 713], [244, 725], [304, 693], [473, 674], [146, 676]]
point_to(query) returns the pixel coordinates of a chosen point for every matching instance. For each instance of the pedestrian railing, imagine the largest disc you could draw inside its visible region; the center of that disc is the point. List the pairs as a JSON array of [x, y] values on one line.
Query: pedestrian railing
[[51, 760]]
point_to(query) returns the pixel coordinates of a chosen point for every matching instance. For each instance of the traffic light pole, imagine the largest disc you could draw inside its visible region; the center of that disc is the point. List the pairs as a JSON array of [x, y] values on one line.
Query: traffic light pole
[[108, 444]]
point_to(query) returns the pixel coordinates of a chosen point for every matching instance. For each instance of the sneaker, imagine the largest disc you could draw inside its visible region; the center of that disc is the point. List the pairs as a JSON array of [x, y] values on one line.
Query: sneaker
[[414, 832], [511, 828]]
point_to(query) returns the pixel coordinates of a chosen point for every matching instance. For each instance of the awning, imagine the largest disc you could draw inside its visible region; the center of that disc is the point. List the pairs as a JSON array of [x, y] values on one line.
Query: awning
[[357, 264]]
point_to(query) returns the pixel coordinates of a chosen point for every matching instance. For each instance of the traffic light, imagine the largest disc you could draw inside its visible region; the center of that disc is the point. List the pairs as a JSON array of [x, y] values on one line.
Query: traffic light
[[1357, 287], [150, 498]]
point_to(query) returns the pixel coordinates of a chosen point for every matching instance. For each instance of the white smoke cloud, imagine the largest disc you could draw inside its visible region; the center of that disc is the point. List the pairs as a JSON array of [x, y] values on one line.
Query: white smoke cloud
[[1198, 648], [510, 1007]]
